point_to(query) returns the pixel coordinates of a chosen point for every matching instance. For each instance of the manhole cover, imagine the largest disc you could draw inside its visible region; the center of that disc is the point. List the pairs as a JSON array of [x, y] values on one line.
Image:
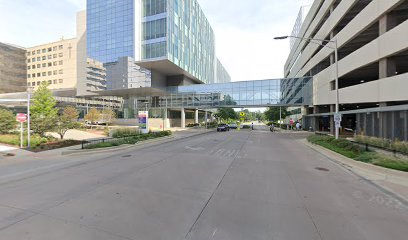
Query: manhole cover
[[126, 156], [322, 169]]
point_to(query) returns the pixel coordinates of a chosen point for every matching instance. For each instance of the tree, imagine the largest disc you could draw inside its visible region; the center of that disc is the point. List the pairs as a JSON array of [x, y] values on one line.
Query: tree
[[93, 115], [7, 121], [108, 115], [227, 113], [43, 111], [66, 121], [272, 114]]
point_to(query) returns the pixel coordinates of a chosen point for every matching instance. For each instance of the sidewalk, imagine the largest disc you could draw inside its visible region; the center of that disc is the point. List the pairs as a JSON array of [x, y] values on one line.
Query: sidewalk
[[24, 155], [392, 181]]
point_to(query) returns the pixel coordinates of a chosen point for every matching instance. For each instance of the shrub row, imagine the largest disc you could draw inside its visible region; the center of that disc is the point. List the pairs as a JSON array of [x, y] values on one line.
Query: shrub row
[[396, 145], [348, 149], [129, 140]]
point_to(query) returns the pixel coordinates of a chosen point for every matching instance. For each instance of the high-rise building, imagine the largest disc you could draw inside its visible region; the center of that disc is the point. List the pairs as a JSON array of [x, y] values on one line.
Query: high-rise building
[[13, 69], [372, 39], [54, 63], [172, 38]]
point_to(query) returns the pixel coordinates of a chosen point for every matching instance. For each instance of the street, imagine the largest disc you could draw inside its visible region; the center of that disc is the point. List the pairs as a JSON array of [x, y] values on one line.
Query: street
[[238, 185]]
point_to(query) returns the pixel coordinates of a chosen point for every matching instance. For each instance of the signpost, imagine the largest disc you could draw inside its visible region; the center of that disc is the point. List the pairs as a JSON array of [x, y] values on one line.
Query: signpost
[[144, 121], [337, 120], [22, 118]]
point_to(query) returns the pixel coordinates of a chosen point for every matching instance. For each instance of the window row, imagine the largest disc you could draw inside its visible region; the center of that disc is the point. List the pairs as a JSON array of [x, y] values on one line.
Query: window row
[[154, 29], [38, 83], [154, 50], [45, 50], [50, 64], [44, 74], [38, 59], [153, 7]]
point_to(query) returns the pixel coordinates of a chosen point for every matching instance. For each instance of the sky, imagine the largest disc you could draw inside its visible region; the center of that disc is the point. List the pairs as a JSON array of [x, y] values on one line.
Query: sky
[[244, 30]]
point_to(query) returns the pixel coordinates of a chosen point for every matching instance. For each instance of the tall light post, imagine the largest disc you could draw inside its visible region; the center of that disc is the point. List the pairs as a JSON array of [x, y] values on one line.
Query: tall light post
[[29, 89], [336, 57]]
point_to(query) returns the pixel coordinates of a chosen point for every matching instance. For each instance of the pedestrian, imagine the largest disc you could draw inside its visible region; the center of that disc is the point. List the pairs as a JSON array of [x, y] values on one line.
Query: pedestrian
[[272, 128], [252, 126], [297, 126]]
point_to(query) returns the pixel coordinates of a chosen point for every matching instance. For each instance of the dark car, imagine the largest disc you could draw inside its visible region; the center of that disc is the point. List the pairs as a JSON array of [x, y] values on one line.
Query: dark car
[[223, 128]]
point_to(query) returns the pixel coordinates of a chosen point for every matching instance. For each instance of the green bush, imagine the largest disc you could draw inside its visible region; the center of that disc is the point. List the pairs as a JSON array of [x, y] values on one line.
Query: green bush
[[348, 149], [14, 139], [7, 121], [125, 132], [396, 145]]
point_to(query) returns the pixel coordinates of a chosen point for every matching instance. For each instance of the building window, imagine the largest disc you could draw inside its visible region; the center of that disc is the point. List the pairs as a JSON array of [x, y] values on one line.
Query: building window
[[55, 81], [28, 75], [38, 65], [49, 73], [44, 74], [33, 59], [50, 64], [61, 62], [55, 63], [38, 83], [44, 65], [29, 67], [60, 54], [33, 84], [33, 52], [61, 71], [28, 53], [38, 51], [44, 58], [49, 56], [38, 59], [60, 47], [49, 82], [60, 81], [54, 48], [55, 72], [33, 66], [55, 55], [28, 60], [44, 50], [49, 49], [38, 74], [332, 85]]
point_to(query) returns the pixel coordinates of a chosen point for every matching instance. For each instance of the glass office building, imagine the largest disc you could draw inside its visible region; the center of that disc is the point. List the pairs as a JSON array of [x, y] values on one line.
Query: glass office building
[[164, 35]]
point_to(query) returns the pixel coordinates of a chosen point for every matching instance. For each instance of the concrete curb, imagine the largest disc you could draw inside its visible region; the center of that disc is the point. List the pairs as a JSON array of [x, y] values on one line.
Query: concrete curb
[[372, 173], [127, 146]]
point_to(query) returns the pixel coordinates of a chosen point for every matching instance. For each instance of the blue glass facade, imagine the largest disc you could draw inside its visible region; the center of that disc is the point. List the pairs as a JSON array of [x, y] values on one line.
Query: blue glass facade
[[151, 30], [110, 29]]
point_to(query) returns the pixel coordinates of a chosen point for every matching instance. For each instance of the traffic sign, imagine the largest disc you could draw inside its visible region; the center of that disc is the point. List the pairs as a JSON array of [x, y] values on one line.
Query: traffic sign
[[242, 114], [21, 117], [337, 124], [337, 117]]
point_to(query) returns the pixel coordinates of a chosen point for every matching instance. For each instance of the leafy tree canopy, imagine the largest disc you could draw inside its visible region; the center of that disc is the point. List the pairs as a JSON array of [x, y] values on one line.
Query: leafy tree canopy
[[272, 114]]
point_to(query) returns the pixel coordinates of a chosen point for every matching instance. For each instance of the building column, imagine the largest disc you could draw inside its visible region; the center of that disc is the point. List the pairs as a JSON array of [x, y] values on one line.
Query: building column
[[387, 68], [316, 119], [196, 116], [382, 122], [332, 125], [183, 118], [206, 118]]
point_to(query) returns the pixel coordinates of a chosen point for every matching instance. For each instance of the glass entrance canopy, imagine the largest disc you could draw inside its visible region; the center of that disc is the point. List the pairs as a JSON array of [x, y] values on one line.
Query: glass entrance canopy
[[257, 93]]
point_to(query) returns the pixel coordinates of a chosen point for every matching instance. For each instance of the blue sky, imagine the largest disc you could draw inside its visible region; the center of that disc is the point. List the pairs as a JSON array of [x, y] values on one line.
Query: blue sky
[[244, 29]]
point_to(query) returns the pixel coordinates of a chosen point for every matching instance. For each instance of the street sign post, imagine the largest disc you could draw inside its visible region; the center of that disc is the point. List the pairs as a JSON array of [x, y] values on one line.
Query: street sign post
[[22, 118], [337, 117]]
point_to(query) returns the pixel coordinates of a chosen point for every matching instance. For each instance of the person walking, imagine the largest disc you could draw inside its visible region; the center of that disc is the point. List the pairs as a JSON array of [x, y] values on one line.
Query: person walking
[[252, 126]]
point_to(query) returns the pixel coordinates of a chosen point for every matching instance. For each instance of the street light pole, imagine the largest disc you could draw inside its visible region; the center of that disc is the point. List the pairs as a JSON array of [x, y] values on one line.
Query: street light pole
[[336, 56]]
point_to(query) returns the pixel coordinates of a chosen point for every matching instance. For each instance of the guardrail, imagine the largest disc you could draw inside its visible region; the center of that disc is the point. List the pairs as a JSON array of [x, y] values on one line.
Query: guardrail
[[86, 143]]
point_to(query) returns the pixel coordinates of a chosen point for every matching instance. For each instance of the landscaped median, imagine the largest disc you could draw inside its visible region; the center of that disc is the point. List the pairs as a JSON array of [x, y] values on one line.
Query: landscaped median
[[358, 153], [127, 138]]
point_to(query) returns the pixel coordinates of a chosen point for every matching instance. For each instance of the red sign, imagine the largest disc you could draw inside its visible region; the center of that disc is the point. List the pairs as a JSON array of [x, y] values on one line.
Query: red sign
[[21, 117]]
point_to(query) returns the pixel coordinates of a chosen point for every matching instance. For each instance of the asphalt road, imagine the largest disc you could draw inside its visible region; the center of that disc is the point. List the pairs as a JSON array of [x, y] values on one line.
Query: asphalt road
[[245, 185]]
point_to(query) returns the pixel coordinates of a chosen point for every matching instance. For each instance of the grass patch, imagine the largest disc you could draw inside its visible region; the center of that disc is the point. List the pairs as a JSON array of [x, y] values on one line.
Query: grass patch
[[350, 150], [14, 140], [128, 140]]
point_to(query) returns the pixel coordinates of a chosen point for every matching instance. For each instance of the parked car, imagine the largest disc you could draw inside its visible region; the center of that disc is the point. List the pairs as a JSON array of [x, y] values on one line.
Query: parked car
[[233, 126], [223, 128]]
